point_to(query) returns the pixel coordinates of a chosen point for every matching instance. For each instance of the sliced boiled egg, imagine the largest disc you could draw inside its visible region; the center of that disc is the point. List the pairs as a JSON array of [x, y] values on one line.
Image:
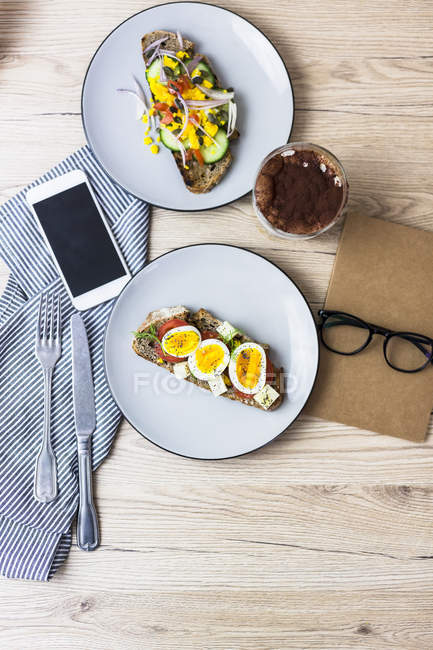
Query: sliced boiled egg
[[247, 368], [181, 341], [209, 360]]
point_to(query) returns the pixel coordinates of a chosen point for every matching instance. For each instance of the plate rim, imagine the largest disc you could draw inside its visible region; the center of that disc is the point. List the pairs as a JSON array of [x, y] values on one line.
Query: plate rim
[[244, 453], [142, 11]]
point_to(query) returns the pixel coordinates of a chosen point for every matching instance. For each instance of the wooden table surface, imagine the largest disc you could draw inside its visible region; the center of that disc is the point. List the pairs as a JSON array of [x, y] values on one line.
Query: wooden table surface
[[323, 539]]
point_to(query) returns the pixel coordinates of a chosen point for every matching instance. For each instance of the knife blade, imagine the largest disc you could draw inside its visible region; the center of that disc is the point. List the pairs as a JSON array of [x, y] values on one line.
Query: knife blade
[[82, 382], [85, 423]]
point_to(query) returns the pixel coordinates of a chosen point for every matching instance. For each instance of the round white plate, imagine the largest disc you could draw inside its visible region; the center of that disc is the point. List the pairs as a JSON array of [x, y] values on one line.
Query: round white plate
[[242, 57], [235, 285]]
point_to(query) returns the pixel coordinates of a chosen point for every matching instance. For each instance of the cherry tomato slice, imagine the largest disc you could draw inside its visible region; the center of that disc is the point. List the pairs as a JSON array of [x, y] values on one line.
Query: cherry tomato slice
[[169, 325], [167, 119], [239, 394], [270, 372], [198, 156], [161, 106], [185, 80], [180, 85], [168, 357], [208, 334], [172, 87]]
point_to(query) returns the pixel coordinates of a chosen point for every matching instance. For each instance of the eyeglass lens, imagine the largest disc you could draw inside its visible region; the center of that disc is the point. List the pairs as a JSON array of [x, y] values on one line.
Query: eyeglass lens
[[344, 334], [408, 352]]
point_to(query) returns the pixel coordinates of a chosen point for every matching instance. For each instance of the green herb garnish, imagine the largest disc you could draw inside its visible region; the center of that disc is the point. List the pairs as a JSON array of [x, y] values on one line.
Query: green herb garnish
[[232, 343], [151, 334]]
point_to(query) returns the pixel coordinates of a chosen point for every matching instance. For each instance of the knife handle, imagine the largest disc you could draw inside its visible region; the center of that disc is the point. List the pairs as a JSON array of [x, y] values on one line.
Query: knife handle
[[87, 522]]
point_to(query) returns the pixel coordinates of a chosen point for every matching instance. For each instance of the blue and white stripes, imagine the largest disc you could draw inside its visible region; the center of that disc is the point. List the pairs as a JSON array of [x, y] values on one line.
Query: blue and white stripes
[[35, 538]]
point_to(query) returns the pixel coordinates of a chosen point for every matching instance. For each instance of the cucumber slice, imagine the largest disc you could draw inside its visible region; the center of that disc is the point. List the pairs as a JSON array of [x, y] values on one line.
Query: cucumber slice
[[169, 140], [206, 72], [213, 153], [153, 70]]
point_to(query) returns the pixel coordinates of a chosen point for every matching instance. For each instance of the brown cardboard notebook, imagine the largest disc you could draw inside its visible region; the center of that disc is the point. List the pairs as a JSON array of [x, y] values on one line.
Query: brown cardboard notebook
[[382, 273]]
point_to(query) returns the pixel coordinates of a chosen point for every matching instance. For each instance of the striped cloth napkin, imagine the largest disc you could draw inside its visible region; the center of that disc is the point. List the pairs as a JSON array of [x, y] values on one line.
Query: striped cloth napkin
[[35, 538]]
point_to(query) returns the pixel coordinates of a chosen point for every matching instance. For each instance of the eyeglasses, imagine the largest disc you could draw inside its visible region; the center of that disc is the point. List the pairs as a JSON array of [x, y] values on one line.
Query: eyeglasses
[[346, 334]]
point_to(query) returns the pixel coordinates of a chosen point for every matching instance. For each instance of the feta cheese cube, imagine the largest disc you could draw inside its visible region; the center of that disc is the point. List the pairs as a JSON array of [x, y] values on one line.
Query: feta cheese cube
[[227, 331], [217, 385], [181, 370], [267, 396]]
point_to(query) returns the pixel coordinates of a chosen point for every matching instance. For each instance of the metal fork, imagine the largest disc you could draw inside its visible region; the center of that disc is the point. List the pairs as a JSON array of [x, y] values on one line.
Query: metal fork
[[48, 350]]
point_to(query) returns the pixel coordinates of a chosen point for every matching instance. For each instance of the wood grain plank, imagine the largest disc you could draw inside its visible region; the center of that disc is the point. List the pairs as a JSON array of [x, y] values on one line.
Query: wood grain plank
[[311, 452], [287, 620]]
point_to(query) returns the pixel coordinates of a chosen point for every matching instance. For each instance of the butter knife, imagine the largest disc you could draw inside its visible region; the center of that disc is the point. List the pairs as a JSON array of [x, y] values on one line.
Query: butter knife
[[85, 423]]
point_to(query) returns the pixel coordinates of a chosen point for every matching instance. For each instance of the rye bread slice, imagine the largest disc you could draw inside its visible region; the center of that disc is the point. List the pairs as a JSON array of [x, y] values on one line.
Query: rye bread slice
[[199, 179], [203, 320], [171, 43]]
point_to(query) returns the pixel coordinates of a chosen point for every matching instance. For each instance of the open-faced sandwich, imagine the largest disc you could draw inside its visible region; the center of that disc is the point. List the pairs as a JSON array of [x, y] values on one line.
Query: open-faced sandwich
[[211, 354], [196, 116]]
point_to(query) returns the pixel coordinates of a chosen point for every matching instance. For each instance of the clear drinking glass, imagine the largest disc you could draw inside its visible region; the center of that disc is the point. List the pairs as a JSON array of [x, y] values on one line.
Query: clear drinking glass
[[329, 160]]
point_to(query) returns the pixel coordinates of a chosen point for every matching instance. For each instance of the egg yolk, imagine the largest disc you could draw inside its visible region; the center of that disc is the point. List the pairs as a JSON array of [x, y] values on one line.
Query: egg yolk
[[181, 344], [160, 92], [248, 367], [209, 357]]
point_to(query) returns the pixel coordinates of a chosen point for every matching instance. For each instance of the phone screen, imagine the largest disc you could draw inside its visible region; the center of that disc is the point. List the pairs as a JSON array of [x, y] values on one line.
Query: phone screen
[[79, 239]]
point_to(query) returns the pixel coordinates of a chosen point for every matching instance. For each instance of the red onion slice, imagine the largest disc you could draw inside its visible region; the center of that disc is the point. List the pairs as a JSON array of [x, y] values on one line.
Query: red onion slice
[[142, 95], [205, 103], [181, 147], [180, 39], [229, 119], [153, 57], [162, 75], [140, 103], [185, 108], [139, 90], [192, 64], [231, 122], [216, 94], [235, 115], [198, 126], [155, 44], [173, 56]]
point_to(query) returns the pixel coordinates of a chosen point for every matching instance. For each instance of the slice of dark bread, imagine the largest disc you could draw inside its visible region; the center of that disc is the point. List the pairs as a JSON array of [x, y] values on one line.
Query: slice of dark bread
[[202, 178], [203, 320], [199, 179], [172, 42]]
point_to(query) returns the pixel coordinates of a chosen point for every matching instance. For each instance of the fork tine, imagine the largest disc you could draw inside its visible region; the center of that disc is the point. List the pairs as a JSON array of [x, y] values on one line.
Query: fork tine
[[45, 327], [51, 334], [56, 317], [38, 325], [59, 317]]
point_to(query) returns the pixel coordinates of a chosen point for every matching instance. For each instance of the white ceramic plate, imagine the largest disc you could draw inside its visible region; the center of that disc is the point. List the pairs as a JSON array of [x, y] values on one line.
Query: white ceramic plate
[[242, 57], [235, 285]]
